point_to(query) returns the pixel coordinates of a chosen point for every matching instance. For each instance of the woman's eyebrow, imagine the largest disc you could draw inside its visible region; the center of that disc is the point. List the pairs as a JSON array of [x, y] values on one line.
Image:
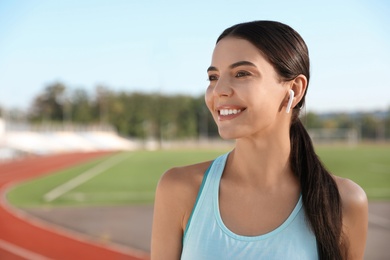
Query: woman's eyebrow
[[242, 63], [211, 68], [234, 65]]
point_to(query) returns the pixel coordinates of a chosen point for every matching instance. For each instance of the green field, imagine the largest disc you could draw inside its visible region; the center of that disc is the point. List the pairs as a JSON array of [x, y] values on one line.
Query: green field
[[133, 179], [367, 165]]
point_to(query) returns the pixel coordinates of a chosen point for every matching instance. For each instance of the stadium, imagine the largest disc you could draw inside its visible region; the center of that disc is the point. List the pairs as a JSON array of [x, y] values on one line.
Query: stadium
[[87, 193]]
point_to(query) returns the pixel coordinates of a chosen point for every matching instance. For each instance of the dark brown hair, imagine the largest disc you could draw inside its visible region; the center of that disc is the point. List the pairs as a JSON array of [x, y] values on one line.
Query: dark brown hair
[[287, 52]]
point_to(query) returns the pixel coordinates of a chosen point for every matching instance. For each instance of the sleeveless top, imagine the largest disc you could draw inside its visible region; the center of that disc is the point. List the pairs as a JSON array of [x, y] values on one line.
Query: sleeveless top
[[206, 236]]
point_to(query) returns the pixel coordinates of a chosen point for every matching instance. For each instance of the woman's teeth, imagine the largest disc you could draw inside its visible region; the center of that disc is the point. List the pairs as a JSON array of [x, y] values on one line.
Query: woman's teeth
[[225, 112]]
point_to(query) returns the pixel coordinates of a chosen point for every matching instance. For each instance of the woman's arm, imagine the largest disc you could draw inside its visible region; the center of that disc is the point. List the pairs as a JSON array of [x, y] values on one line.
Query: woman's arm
[[175, 198], [355, 217], [167, 229]]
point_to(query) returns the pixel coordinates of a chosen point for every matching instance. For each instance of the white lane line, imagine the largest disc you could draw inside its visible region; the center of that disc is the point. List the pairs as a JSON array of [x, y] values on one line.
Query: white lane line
[[19, 251], [84, 177], [118, 196]]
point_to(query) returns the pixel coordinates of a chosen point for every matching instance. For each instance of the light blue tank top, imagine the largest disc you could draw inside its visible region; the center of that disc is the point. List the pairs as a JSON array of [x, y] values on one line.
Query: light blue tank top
[[206, 237]]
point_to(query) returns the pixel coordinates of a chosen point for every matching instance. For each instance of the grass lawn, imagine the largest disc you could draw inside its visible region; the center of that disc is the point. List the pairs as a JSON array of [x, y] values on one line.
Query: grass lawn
[[133, 180], [367, 165]]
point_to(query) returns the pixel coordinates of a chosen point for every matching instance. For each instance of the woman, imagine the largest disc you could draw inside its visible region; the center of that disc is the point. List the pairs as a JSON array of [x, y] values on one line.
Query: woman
[[270, 197]]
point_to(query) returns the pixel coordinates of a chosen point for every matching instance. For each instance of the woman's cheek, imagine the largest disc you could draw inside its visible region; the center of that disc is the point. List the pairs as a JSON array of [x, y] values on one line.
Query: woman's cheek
[[209, 97]]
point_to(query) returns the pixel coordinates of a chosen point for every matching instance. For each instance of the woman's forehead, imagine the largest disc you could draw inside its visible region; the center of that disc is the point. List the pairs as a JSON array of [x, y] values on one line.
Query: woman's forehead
[[230, 50]]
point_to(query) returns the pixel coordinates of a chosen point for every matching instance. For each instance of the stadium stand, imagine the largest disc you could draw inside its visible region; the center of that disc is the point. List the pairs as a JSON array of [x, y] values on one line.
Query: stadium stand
[[22, 139]]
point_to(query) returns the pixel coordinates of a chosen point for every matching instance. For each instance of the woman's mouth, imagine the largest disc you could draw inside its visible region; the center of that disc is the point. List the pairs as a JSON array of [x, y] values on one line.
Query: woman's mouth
[[229, 113]]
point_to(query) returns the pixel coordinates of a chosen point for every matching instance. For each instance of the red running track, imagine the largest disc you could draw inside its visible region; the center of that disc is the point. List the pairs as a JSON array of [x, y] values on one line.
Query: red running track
[[24, 238]]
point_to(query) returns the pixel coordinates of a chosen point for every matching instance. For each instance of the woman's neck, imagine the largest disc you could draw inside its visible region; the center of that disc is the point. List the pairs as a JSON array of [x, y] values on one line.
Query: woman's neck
[[261, 162]]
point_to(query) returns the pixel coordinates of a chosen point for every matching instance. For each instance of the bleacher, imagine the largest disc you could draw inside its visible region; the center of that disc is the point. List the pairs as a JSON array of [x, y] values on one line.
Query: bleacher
[[23, 139]]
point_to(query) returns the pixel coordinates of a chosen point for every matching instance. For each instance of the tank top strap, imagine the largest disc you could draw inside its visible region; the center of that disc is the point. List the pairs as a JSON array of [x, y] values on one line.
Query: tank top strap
[[210, 179]]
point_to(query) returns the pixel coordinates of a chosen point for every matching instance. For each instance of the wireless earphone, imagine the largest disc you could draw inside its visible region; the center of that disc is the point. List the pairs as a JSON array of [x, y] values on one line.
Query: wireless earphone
[[290, 100]]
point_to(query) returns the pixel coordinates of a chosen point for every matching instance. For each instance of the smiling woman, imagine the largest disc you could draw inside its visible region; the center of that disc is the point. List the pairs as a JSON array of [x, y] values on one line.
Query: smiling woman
[[270, 197]]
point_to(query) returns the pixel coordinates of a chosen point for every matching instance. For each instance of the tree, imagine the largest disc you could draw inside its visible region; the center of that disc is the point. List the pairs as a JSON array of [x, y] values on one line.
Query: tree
[[369, 126], [386, 123], [81, 107], [102, 99], [49, 105], [312, 120]]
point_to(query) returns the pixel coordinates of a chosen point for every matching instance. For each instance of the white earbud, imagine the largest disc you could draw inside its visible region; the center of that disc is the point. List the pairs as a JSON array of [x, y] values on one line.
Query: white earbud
[[290, 100]]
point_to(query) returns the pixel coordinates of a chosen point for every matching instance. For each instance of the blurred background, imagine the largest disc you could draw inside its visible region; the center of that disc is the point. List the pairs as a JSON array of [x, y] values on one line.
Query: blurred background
[[139, 68], [130, 76]]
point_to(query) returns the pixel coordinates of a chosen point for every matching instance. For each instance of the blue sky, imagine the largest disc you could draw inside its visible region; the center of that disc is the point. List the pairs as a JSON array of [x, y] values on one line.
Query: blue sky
[[166, 46]]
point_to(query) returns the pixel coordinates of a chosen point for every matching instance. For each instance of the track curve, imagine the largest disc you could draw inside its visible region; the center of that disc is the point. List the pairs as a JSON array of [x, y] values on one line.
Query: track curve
[[22, 237]]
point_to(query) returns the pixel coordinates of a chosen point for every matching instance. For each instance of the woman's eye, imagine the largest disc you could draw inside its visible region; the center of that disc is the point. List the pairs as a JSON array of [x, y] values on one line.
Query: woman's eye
[[212, 77], [242, 74]]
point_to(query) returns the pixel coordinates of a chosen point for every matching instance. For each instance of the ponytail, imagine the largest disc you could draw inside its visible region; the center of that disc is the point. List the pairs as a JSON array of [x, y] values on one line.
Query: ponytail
[[320, 194]]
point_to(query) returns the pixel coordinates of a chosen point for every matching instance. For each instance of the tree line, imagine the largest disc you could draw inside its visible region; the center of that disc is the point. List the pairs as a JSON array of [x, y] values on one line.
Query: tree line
[[160, 116], [133, 114]]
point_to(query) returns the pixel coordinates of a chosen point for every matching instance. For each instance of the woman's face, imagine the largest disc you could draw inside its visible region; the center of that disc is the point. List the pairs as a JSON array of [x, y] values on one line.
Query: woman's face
[[245, 95]]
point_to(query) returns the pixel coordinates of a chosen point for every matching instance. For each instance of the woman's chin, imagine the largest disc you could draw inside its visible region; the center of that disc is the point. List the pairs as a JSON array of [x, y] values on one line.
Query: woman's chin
[[228, 135]]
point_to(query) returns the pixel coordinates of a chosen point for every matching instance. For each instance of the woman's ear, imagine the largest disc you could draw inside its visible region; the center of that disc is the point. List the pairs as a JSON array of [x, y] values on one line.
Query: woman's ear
[[298, 85]]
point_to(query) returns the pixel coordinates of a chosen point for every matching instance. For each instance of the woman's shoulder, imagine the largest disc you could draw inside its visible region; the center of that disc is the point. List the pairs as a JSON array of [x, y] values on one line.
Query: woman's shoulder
[[178, 188], [182, 183], [352, 195], [184, 177], [355, 216]]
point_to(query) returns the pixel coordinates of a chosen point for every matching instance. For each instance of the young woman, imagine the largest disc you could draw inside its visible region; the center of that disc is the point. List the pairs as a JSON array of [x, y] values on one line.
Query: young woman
[[270, 197]]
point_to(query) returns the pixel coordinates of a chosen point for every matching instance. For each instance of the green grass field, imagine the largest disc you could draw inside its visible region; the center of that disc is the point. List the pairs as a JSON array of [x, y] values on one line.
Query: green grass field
[[367, 165], [133, 180]]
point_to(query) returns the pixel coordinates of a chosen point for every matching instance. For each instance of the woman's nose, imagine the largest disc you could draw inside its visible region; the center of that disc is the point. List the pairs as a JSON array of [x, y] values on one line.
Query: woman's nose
[[222, 88]]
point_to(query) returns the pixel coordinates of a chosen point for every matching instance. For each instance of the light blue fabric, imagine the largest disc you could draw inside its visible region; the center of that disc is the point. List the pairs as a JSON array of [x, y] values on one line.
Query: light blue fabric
[[206, 237]]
